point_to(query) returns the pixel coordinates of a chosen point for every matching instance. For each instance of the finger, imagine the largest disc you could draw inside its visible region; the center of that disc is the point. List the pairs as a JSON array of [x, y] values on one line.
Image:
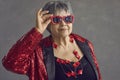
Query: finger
[[47, 21], [44, 12], [46, 16], [39, 11]]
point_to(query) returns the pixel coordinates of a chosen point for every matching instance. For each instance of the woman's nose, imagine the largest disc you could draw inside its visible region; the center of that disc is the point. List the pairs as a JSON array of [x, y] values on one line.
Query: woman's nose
[[63, 22]]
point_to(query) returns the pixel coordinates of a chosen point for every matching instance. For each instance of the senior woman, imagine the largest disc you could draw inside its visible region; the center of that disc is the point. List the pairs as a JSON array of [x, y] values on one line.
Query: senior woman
[[60, 56]]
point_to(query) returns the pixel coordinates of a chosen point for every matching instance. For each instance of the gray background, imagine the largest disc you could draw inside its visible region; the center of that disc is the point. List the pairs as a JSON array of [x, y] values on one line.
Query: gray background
[[96, 20]]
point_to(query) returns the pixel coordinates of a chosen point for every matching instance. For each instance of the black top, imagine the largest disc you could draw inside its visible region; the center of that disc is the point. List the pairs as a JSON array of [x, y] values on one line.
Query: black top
[[87, 74]]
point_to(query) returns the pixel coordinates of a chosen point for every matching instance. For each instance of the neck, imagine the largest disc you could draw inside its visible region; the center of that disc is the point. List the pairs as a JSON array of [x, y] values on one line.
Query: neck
[[62, 41]]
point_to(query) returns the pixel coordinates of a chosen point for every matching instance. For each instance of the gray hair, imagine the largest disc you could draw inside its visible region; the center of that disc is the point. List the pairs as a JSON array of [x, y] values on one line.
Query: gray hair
[[54, 6]]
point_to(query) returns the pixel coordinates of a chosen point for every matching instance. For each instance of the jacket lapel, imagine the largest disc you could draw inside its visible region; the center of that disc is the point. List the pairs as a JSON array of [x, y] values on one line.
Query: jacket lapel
[[49, 62], [87, 53]]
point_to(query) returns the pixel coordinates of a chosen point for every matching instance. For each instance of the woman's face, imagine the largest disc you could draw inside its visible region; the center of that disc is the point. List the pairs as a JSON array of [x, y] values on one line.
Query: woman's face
[[61, 29]]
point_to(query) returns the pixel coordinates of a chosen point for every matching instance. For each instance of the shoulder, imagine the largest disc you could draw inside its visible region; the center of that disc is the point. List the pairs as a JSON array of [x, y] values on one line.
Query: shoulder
[[46, 42], [82, 39], [78, 37]]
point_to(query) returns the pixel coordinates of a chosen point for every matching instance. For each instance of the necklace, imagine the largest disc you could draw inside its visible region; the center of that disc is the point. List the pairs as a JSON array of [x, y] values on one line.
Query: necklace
[[70, 73]]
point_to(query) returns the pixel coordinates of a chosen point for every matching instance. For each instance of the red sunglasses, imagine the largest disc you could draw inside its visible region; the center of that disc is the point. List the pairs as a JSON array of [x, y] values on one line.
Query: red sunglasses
[[58, 19]]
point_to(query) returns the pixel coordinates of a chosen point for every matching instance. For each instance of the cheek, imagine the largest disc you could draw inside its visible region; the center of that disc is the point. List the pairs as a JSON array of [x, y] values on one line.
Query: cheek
[[54, 28], [70, 27]]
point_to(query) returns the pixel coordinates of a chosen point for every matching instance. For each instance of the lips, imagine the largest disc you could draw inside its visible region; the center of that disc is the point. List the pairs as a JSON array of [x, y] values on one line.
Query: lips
[[63, 29]]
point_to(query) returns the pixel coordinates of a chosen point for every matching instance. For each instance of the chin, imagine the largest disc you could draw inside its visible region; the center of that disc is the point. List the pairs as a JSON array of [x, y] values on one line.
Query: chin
[[64, 34]]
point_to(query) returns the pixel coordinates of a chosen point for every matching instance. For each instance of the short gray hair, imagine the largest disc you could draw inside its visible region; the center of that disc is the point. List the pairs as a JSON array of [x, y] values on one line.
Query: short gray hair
[[54, 6]]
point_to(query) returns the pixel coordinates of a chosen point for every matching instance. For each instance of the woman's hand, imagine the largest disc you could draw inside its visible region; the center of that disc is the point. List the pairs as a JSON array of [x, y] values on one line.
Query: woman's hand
[[42, 20]]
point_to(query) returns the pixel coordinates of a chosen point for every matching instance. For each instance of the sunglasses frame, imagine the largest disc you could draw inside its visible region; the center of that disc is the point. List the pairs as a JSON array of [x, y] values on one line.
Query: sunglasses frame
[[63, 18]]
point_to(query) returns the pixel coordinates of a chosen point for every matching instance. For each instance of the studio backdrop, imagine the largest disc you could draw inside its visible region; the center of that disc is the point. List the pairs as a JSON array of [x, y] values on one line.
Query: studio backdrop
[[96, 20]]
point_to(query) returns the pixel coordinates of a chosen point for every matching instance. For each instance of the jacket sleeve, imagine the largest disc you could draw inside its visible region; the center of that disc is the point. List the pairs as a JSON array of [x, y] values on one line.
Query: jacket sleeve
[[95, 60], [18, 57]]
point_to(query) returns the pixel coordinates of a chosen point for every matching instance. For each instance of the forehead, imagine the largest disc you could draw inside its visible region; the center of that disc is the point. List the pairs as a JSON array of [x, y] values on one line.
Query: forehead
[[62, 13]]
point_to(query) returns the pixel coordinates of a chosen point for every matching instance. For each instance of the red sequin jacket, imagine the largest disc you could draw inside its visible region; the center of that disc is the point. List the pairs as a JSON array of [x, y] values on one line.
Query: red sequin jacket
[[28, 56]]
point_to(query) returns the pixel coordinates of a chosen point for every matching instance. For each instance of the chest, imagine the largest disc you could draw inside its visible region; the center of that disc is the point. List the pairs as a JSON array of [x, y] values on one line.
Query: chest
[[68, 53], [50, 53]]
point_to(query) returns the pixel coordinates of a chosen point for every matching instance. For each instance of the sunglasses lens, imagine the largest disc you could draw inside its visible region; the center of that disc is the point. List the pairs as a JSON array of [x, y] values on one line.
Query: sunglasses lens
[[56, 19], [69, 19]]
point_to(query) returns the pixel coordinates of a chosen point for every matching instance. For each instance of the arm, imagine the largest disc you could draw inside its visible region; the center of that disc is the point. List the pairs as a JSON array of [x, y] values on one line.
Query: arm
[[18, 57]]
